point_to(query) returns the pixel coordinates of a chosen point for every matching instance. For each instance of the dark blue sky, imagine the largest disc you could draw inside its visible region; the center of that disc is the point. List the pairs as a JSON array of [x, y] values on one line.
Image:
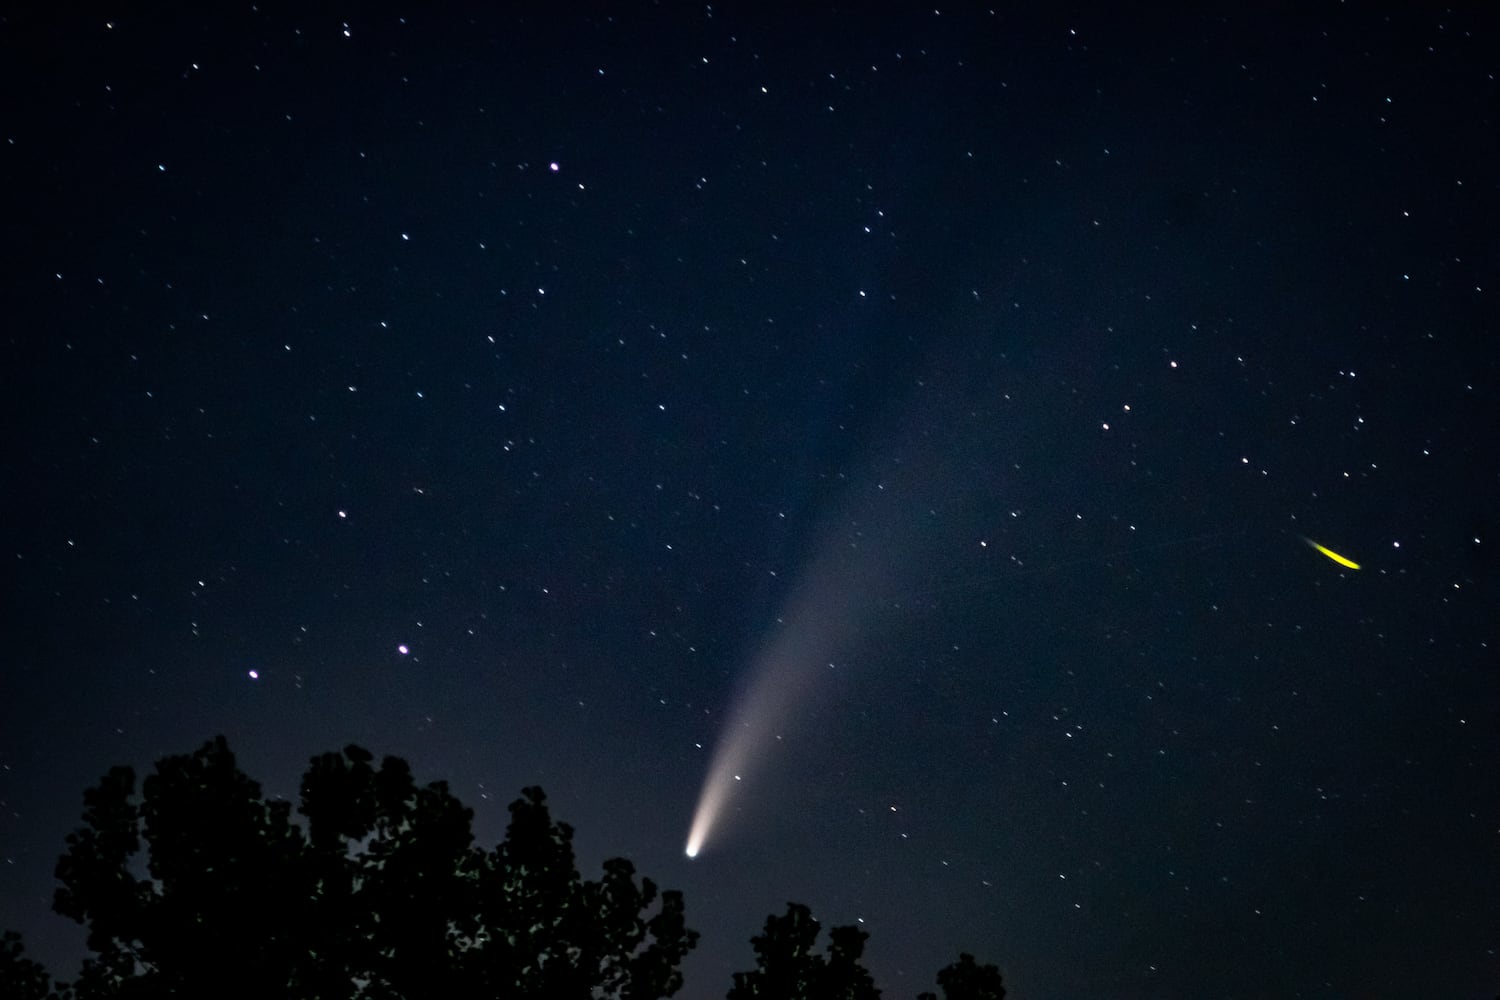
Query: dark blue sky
[[572, 353]]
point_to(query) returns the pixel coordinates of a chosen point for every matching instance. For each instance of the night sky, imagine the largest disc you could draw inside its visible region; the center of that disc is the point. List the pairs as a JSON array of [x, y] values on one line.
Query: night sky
[[923, 413]]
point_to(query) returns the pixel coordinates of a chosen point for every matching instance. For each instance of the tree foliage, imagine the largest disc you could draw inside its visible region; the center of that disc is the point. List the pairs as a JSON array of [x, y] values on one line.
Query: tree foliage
[[787, 967], [20, 977], [200, 886], [383, 896], [966, 979]]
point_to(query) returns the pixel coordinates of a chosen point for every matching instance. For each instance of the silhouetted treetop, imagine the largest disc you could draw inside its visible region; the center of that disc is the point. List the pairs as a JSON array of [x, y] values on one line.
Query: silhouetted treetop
[[787, 968], [20, 977], [384, 896], [200, 886], [967, 980]]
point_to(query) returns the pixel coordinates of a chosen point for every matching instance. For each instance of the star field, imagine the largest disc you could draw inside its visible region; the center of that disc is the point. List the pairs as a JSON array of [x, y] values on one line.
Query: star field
[[526, 393]]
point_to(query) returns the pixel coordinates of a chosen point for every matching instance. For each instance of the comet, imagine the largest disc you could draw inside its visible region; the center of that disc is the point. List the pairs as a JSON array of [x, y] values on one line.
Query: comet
[[783, 676], [829, 611], [1344, 561]]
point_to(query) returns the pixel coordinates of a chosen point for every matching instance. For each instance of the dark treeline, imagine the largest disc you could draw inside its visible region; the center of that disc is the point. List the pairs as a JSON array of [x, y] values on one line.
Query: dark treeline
[[380, 894]]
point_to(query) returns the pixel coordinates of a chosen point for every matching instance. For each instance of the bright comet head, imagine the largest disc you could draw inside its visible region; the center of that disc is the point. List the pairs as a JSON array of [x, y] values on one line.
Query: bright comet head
[[825, 612], [708, 809]]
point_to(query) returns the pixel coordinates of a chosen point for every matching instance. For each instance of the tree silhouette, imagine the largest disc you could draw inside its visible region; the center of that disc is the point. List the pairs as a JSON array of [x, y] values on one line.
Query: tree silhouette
[[968, 980], [20, 977], [787, 968], [383, 897]]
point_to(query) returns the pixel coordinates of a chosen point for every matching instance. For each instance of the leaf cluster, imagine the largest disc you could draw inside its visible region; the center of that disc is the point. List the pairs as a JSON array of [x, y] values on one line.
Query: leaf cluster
[[201, 886], [382, 895]]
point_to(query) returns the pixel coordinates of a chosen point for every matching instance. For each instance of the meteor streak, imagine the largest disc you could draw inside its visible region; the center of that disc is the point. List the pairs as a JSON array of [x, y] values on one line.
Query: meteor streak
[[1341, 560]]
